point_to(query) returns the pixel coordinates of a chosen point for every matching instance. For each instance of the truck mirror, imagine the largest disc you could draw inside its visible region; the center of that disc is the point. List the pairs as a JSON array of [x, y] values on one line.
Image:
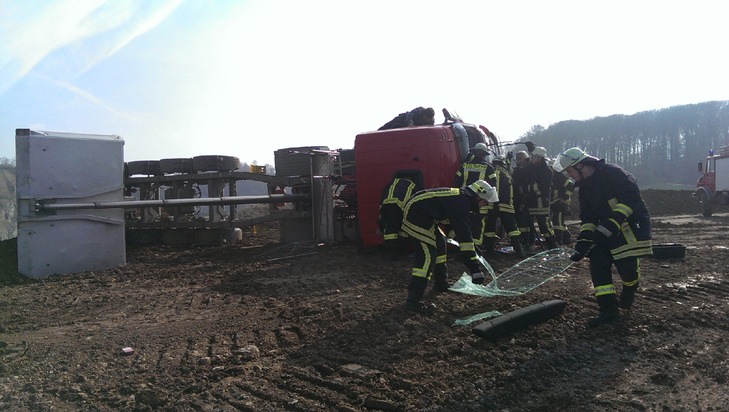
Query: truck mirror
[[701, 167]]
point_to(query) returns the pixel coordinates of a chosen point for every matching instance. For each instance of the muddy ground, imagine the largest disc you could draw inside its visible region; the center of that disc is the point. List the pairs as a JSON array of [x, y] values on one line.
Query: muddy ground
[[261, 326]]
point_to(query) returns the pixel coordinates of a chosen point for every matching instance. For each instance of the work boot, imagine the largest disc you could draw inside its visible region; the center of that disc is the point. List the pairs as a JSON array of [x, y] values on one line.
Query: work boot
[[518, 248], [416, 290], [608, 311], [440, 277], [566, 238], [551, 243], [489, 246], [419, 307], [627, 296]]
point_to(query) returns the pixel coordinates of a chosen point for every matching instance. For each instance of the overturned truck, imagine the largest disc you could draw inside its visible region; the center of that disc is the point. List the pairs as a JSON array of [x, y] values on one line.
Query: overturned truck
[[345, 185]]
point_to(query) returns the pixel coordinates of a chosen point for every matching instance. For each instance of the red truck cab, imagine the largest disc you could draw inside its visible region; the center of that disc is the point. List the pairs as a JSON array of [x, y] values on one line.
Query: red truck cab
[[429, 155]]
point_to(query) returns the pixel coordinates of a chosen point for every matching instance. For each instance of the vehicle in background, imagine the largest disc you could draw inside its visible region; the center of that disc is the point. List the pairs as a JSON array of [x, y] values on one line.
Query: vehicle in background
[[712, 187]]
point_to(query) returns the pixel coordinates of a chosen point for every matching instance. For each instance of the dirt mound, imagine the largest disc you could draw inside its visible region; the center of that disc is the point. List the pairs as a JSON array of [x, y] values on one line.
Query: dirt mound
[[262, 326]]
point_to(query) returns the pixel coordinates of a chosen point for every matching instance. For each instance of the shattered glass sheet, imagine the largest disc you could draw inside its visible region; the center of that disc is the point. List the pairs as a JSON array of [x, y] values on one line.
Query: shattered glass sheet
[[520, 278]]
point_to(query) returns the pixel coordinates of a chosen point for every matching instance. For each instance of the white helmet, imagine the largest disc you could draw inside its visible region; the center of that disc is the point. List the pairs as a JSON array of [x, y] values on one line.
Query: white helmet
[[569, 158], [481, 146], [521, 155], [540, 151], [484, 191]]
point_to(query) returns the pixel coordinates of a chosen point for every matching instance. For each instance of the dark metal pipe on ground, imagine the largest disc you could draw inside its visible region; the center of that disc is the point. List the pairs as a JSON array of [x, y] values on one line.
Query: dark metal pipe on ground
[[281, 198]]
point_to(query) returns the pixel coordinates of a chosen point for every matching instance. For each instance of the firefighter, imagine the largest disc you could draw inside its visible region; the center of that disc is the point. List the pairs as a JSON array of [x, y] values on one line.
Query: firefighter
[[474, 168], [392, 203], [538, 192], [503, 210], [615, 228], [562, 188], [519, 181], [419, 116], [423, 214]]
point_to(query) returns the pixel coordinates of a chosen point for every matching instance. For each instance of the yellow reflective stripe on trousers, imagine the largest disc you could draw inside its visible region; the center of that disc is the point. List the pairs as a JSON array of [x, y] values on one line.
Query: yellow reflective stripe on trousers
[[467, 247], [605, 290], [587, 227], [422, 272], [417, 232], [638, 248]]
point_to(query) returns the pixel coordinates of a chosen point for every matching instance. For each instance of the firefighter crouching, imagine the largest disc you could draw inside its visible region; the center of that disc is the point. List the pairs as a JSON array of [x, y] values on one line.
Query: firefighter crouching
[[392, 203], [423, 214], [615, 228]]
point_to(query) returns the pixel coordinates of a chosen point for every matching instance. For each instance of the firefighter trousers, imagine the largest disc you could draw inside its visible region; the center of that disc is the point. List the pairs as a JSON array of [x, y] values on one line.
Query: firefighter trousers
[[601, 262]]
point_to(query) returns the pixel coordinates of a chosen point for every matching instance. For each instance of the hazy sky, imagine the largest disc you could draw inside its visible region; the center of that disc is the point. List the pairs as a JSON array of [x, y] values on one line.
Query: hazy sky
[[182, 78]]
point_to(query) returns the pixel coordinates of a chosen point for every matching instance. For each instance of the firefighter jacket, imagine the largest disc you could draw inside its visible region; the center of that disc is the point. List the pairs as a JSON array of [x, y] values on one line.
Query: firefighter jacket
[[393, 201], [445, 205], [520, 183], [538, 178], [505, 189], [610, 197], [473, 169], [562, 189], [398, 192]]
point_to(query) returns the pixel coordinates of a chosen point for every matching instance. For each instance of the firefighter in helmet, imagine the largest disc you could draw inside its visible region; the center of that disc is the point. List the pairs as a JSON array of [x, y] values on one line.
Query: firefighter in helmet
[[474, 168], [538, 194], [392, 203], [562, 188], [424, 213], [615, 228], [503, 210], [521, 212]]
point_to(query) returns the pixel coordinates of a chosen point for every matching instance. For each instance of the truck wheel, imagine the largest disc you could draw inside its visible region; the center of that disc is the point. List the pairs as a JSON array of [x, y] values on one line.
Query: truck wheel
[[705, 205]]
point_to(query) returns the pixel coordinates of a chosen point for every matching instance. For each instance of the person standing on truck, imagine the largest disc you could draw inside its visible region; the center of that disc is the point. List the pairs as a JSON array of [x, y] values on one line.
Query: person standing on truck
[[419, 116], [475, 168], [392, 203], [424, 213], [615, 228], [538, 192], [562, 188], [503, 210], [521, 212]]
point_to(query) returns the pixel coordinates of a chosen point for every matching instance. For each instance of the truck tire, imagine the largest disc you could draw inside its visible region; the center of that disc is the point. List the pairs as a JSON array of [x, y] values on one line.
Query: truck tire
[[142, 167], [180, 165], [519, 319], [294, 161], [215, 163], [705, 205]]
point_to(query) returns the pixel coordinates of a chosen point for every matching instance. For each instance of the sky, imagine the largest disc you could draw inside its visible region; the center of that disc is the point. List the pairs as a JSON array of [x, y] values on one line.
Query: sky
[[184, 78]]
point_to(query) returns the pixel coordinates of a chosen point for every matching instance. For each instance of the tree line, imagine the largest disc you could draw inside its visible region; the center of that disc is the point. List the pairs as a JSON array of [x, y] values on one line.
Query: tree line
[[7, 164], [659, 147]]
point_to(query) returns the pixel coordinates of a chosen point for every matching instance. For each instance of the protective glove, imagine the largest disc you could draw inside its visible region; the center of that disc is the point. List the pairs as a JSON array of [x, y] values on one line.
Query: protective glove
[[477, 278], [581, 248]]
